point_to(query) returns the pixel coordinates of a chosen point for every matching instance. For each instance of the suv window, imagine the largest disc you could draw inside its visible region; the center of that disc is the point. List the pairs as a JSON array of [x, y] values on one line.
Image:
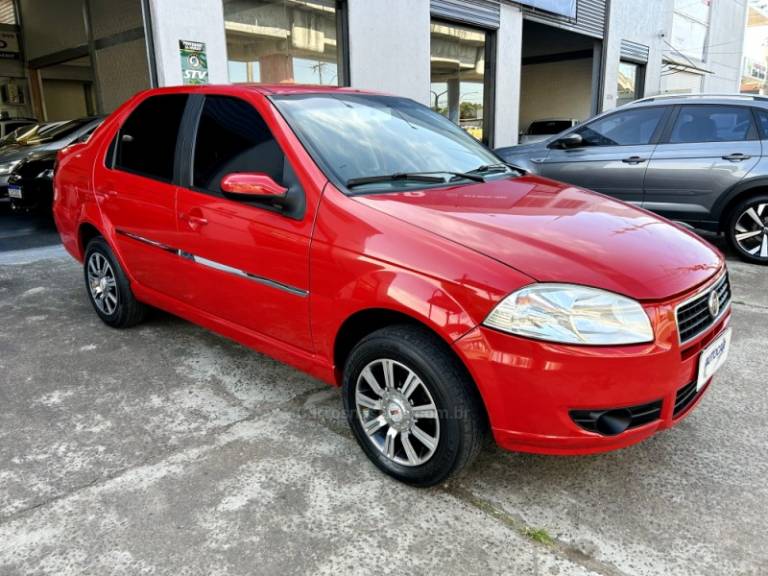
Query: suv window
[[713, 124], [147, 140], [233, 137], [625, 128], [762, 119]]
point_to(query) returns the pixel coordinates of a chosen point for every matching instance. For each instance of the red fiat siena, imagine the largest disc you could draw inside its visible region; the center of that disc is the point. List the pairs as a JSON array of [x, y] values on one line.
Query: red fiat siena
[[370, 242]]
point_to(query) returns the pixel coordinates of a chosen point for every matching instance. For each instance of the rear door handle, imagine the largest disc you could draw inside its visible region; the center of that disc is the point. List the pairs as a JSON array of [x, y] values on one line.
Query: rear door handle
[[634, 160], [736, 157]]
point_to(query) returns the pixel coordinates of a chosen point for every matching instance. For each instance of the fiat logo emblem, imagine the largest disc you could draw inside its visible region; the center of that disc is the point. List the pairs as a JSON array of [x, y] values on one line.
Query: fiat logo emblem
[[714, 304]]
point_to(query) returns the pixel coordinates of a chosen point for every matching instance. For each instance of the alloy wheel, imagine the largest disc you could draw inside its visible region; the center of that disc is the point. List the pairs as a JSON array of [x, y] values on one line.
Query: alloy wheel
[[397, 412], [102, 283], [751, 230]]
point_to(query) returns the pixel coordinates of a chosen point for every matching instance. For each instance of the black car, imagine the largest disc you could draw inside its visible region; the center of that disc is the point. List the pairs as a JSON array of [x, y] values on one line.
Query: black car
[[51, 137], [30, 185]]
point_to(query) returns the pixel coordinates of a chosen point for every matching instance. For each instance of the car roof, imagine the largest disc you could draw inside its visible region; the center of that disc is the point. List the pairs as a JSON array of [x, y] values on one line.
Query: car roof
[[266, 89], [674, 99]]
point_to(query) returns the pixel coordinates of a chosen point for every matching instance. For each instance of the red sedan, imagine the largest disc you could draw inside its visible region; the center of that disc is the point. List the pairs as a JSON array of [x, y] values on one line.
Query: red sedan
[[372, 243]]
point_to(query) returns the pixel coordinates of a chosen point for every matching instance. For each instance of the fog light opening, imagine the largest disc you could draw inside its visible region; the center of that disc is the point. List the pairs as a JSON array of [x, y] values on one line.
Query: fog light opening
[[613, 422]]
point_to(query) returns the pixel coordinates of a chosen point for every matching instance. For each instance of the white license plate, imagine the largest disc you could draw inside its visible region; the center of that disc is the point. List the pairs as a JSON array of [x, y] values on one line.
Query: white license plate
[[14, 192], [713, 357]]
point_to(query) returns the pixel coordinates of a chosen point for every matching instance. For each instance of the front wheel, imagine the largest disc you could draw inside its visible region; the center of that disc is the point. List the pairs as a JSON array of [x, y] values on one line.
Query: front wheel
[[108, 287], [412, 406], [748, 229]]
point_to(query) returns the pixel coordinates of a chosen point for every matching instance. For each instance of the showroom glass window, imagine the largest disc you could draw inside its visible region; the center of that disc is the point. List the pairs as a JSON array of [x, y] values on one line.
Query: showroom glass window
[[284, 41], [459, 76], [630, 84]]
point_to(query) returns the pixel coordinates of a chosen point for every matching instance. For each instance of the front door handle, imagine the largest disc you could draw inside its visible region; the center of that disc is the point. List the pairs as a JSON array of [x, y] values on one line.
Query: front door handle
[[736, 157], [192, 221], [634, 160]]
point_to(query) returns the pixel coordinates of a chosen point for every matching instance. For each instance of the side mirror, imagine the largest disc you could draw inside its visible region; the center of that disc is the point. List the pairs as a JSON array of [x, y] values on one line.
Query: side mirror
[[572, 140], [254, 185]]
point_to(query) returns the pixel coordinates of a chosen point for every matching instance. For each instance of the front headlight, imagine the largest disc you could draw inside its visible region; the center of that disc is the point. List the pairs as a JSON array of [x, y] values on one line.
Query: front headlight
[[572, 314], [7, 167]]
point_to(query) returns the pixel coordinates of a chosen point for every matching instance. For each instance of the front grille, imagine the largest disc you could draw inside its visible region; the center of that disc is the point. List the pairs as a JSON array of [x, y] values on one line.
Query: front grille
[[694, 316], [684, 397], [639, 415]]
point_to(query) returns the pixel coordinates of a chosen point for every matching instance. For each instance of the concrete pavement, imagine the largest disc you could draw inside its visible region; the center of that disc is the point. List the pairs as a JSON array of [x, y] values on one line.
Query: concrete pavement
[[166, 449]]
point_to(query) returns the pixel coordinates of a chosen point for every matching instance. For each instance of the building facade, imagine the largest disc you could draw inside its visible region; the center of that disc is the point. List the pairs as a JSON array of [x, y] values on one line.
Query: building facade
[[492, 66]]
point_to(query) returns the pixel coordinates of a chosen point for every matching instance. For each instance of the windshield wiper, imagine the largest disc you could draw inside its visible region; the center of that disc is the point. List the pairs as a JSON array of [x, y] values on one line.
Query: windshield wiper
[[412, 176], [489, 168]]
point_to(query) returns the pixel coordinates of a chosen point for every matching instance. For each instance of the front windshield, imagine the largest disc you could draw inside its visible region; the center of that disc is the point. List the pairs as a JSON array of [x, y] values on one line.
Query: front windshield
[[357, 136]]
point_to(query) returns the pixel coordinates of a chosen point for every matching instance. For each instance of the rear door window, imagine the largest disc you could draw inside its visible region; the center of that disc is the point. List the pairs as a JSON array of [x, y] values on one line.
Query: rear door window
[[701, 123], [146, 144]]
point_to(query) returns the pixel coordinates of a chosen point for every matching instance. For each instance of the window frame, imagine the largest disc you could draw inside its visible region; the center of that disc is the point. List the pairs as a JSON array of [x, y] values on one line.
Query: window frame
[[111, 155], [656, 137], [665, 139]]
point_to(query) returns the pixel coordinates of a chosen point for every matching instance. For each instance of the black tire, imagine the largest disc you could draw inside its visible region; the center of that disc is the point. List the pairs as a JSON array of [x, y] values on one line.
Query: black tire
[[126, 311], [754, 248], [462, 422]]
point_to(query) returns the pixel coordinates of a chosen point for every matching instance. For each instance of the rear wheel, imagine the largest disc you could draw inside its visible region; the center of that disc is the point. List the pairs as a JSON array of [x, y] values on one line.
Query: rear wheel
[[411, 405], [748, 229], [108, 287]]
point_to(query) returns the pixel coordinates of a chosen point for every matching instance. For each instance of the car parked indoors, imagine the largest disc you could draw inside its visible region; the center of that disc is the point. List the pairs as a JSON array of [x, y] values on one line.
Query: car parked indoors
[[540, 130], [698, 159], [30, 185], [41, 138], [371, 242]]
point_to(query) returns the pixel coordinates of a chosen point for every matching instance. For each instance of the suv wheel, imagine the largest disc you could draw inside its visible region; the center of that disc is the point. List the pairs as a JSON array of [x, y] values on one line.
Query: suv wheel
[[748, 229], [411, 405], [108, 288]]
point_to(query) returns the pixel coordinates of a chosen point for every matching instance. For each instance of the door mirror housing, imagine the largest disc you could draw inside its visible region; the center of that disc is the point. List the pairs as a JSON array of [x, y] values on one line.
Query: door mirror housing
[[572, 140], [253, 185]]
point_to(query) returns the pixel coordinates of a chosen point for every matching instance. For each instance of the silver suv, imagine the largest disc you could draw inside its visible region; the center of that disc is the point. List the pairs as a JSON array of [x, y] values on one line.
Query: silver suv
[[699, 159]]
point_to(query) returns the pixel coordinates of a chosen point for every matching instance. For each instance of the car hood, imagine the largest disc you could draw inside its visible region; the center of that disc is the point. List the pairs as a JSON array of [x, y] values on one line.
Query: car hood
[[17, 152], [522, 148], [554, 232]]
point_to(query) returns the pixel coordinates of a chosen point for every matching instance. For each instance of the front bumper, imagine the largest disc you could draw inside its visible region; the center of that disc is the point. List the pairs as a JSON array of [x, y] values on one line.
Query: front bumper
[[532, 389]]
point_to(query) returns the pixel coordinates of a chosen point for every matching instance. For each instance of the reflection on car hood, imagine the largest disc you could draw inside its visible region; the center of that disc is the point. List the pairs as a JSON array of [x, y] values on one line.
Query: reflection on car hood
[[17, 152], [554, 232]]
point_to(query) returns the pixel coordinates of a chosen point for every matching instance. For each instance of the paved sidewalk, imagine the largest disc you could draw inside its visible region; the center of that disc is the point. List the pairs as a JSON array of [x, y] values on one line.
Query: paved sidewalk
[[166, 449]]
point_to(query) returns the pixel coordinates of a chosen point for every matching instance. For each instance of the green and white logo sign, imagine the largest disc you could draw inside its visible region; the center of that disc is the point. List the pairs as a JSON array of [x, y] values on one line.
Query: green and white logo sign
[[194, 62]]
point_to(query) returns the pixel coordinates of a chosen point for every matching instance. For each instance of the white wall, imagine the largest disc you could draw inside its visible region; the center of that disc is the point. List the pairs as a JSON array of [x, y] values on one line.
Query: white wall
[[200, 21], [543, 95], [509, 49], [726, 39], [647, 25], [389, 47]]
